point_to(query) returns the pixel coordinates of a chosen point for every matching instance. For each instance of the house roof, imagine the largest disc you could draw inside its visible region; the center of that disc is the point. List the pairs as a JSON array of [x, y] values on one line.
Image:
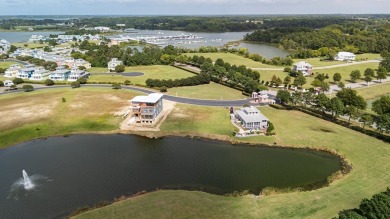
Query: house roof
[[248, 118], [345, 54], [302, 64], [151, 98]]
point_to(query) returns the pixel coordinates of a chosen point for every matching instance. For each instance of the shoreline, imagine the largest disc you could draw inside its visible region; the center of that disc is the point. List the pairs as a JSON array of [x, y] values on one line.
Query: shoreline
[[345, 165]]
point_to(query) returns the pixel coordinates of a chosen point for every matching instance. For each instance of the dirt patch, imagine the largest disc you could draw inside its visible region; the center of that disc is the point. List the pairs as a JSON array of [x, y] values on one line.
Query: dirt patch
[[168, 108]]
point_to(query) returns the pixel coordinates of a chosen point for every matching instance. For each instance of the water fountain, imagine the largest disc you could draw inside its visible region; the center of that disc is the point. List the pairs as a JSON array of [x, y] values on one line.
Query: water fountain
[[28, 185]]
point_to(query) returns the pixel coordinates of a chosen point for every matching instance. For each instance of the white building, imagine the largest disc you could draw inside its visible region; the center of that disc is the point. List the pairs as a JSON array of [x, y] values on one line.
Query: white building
[[146, 109], [251, 118], [8, 83], [304, 67], [4, 46], [345, 56], [60, 74], [12, 71], [26, 72], [75, 74], [113, 63], [39, 74]]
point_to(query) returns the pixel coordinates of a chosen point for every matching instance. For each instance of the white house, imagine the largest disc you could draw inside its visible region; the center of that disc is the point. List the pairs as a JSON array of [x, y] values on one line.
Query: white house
[[251, 118], [12, 71], [113, 63], [262, 97], [60, 74], [39, 74], [304, 67], [8, 83], [146, 109], [75, 74], [26, 72], [345, 56]]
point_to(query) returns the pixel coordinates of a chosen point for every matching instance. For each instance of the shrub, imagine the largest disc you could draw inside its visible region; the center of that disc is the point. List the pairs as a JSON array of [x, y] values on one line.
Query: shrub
[[49, 82], [63, 100], [127, 82], [163, 89], [75, 84], [287, 69], [270, 127], [1, 84], [17, 81], [82, 80], [27, 88], [120, 68], [116, 86]]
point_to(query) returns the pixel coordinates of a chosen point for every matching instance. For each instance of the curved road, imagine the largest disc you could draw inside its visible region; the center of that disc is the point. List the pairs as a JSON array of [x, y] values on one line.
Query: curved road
[[225, 103]]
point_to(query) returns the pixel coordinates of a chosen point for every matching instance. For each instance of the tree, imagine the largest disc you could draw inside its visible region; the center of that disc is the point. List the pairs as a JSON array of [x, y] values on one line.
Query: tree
[[75, 84], [284, 96], [47, 49], [369, 71], [127, 82], [300, 80], [381, 73], [321, 101], [1, 84], [382, 105], [116, 86], [17, 81], [49, 82], [341, 85], [27, 88], [367, 79], [337, 77], [366, 119], [321, 77], [336, 106], [287, 80], [287, 69], [316, 83], [82, 80], [383, 123], [351, 111], [324, 86], [350, 98], [120, 68], [355, 75], [270, 127]]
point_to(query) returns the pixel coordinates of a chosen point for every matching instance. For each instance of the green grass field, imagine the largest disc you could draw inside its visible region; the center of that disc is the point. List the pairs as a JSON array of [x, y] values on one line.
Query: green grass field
[[6, 64], [212, 91], [374, 91], [369, 158], [154, 71], [233, 59], [30, 45], [42, 113], [345, 71]]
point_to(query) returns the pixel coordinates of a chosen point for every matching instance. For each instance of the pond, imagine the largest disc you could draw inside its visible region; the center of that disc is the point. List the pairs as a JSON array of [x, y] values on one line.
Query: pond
[[72, 172]]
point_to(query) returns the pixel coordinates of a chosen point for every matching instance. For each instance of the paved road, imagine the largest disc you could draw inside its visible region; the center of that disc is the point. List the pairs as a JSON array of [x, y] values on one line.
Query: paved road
[[225, 103], [323, 67], [335, 88]]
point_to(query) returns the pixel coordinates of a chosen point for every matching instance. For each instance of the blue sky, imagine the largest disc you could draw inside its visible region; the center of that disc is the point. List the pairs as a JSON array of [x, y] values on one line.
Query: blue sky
[[190, 7]]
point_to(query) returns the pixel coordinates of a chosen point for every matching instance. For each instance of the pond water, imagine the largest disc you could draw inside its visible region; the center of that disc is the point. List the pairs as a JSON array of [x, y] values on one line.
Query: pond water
[[208, 39], [83, 170], [18, 37]]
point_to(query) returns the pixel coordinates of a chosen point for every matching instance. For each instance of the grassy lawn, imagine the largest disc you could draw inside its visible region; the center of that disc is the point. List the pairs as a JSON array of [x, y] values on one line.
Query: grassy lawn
[[43, 113], [97, 70], [316, 62], [6, 64], [155, 72], [30, 45], [345, 71], [233, 59], [369, 56], [212, 91], [374, 91], [370, 174]]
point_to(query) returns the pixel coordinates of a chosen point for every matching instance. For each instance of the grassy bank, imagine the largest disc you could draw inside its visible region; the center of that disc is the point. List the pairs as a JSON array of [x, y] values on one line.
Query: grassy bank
[[374, 91], [369, 158], [6, 64], [212, 91], [44, 113]]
